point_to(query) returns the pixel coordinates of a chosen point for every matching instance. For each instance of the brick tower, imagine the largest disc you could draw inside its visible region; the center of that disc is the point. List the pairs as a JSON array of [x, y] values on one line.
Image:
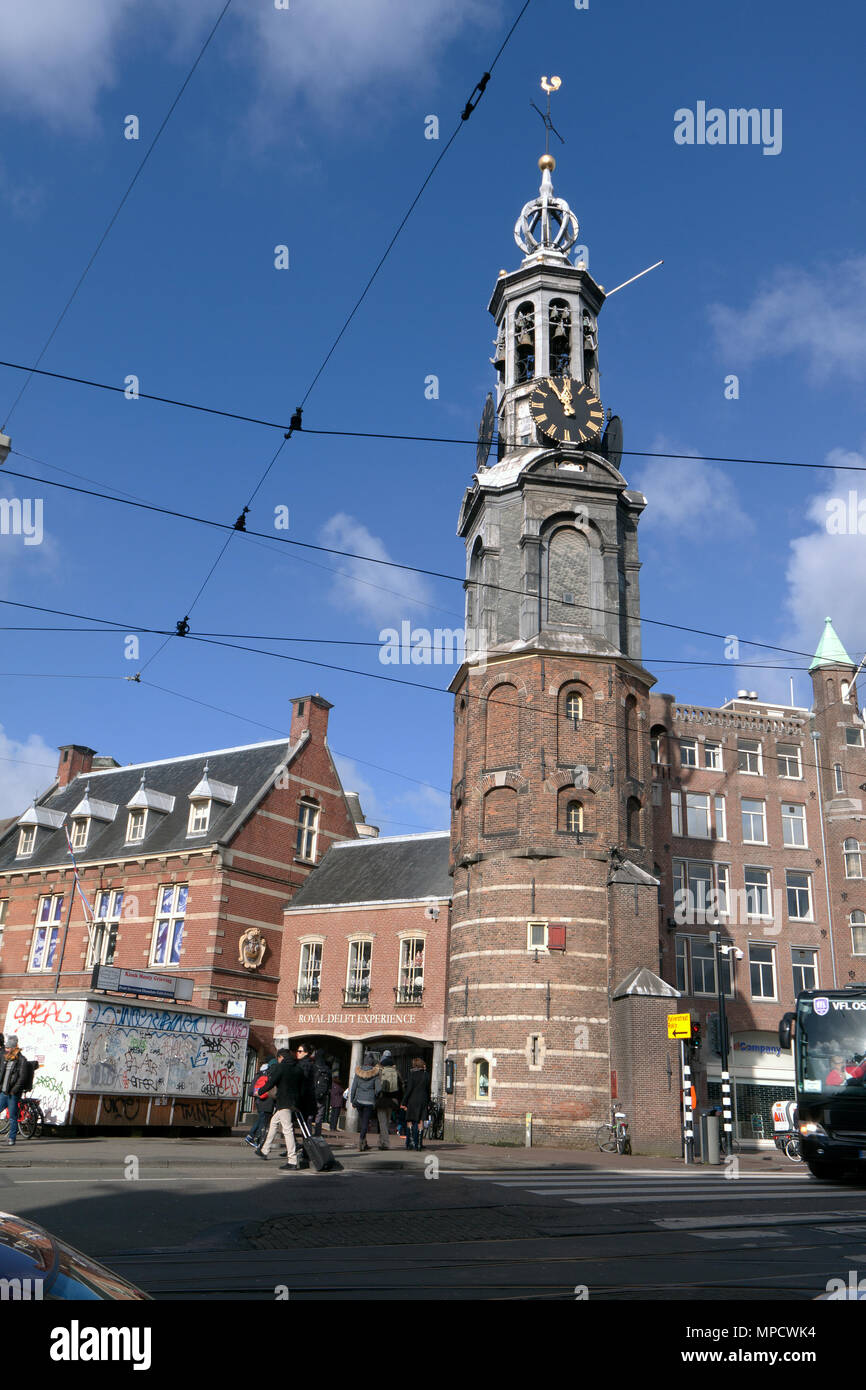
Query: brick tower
[[553, 996]]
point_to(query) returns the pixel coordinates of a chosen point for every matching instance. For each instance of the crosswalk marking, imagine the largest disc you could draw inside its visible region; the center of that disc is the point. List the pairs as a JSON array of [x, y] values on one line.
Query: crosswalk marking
[[641, 1187]]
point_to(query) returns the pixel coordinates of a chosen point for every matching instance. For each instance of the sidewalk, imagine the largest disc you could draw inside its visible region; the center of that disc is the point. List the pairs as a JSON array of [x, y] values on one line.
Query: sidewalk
[[203, 1151]]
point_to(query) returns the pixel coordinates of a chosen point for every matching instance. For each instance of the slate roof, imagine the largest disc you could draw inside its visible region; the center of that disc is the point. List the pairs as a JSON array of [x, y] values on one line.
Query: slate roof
[[250, 769], [393, 868]]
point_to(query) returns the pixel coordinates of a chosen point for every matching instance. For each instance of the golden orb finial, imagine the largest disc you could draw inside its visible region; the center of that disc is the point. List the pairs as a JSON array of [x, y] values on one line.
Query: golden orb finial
[[548, 162]]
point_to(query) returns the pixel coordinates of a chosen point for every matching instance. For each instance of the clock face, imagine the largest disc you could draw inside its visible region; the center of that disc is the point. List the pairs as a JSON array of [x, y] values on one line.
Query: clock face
[[485, 432], [566, 410]]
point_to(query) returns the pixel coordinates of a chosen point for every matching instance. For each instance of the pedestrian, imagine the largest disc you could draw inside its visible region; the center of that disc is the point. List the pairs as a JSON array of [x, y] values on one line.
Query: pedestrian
[[388, 1097], [16, 1076], [321, 1088], [366, 1085], [415, 1103], [337, 1095], [288, 1080], [264, 1098], [307, 1104]]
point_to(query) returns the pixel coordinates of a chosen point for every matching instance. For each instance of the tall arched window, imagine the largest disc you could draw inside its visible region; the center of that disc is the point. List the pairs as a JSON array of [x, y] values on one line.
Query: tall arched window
[[568, 579], [524, 341], [559, 339], [632, 762], [853, 864], [858, 933], [574, 817], [573, 707], [632, 813], [502, 727]]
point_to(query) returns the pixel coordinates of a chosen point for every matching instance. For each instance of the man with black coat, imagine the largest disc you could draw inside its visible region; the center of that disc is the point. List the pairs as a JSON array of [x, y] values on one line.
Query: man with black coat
[[15, 1078], [287, 1077], [307, 1103]]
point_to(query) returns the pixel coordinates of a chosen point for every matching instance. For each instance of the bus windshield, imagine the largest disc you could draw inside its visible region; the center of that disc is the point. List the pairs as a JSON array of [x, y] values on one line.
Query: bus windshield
[[831, 1046]]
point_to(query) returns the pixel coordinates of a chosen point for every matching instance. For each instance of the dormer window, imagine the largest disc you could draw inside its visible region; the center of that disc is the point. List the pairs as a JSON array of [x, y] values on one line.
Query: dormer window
[[26, 841], [199, 817], [80, 830], [135, 826]]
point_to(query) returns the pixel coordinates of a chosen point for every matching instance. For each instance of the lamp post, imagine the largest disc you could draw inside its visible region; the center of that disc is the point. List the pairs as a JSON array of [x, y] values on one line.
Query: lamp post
[[727, 1128]]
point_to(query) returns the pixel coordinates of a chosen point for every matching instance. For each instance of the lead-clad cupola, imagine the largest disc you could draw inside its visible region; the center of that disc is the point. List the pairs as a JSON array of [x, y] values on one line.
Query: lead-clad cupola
[[546, 315]]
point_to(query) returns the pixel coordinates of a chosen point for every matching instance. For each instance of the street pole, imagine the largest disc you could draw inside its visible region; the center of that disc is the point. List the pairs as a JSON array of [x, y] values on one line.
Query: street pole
[[818, 772], [688, 1120], [727, 1126]]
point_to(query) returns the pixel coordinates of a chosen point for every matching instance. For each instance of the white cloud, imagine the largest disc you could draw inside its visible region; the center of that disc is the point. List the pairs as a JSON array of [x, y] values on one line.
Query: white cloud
[[816, 312], [26, 768], [359, 586], [59, 57], [826, 571], [696, 500]]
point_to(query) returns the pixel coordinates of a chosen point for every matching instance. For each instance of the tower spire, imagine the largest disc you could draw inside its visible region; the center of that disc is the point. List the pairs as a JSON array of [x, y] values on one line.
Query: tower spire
[[547, 227]]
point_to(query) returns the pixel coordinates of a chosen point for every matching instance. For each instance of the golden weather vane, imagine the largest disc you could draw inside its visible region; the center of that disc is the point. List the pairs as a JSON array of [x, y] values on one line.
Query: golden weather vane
[[553, 85]]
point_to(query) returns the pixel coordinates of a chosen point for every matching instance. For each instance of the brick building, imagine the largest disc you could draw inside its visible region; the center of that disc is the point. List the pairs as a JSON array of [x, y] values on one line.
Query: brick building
[[187, 864], [365, 954], [757, 809]]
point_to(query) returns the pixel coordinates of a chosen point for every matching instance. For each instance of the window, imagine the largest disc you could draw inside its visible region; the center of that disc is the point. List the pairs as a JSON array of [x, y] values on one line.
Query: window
[[698, 815], [80, 828], [26, 841], [536, 936], [4, 908], [410, 988], [713, 756], [788, 755], [853, 866], [657, 748], [858, 933], [723, 886], [676, 813], [700, 891], [749, 756], [799, 888], [135, 826], [721, 819], [49, 914], [804, 962], [574, 708], [482, 1079], [358, 974], [696, 967], [854, 738], [837, 777], [103, 934], [574, 817], [762, 971], [308, 830], [758, 898], [199, 817], [794, 826], [309, 973], [754, 828], [170, 921], [689, 752]]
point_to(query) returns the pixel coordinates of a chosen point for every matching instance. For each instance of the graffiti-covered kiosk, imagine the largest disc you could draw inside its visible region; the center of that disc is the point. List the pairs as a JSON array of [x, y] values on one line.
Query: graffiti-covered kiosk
[[114, 1057]]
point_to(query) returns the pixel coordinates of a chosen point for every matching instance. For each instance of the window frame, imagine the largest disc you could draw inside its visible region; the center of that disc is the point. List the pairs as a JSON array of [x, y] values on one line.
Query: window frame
[[136, 839], [689, 745], [857, 854], [78, 840], [23, 832], [478, 1064], [756, 946], [766, 886], [752, 748], [744, 814], [574, 718], [716, 763], [410, 970], [307, 840], [704, 810], [310, 974], [782, 754], [361, 954], [172, 917], [102, 938], [856, 741], [201, 805], [803, 967], [802, 873], [48, 926], [789, 820], [534, 945], [857, 926]]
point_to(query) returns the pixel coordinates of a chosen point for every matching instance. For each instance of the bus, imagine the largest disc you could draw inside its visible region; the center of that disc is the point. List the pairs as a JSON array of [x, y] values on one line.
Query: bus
[[828, 1033]]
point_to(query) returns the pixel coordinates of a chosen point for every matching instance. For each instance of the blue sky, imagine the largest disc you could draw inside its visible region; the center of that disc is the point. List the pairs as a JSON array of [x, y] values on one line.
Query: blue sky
[[305, 127]]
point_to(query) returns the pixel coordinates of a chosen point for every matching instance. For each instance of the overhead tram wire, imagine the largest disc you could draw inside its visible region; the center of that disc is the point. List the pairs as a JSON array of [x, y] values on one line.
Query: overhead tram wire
[[373, 560], [295, 423], [351, 670], [117, 211], [410, 438]]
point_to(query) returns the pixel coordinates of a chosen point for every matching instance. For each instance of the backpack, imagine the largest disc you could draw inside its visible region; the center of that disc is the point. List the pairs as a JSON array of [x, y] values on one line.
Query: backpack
[[389, 1081], [29, 1069], [261, 1086]]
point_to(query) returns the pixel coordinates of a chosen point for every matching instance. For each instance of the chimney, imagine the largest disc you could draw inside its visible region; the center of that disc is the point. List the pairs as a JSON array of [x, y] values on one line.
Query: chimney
[[310, 712], [74, 758]]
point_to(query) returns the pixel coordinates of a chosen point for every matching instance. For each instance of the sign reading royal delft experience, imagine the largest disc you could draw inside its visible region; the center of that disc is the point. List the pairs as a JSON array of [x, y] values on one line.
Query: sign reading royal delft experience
[[356, 1018], [120, 981]]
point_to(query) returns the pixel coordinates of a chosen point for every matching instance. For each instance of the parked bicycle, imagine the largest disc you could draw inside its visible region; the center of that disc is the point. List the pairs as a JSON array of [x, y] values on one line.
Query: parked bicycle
[[787, 1136], [613, 1137], [435, 1120], [31, 1121]]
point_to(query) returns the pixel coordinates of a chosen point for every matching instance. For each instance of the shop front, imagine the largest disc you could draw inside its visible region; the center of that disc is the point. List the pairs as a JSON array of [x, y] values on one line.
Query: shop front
[[761, 1073]]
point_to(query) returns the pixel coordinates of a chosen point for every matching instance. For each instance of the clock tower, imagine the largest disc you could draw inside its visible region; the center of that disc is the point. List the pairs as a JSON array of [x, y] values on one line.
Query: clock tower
[[554, 1004]]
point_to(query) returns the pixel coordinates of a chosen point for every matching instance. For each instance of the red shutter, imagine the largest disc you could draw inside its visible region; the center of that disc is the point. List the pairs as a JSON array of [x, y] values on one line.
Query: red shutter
[[556, 937]]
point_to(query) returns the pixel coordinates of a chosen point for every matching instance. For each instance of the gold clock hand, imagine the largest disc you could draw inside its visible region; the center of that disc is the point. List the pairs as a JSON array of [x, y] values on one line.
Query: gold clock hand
[[555, 389]]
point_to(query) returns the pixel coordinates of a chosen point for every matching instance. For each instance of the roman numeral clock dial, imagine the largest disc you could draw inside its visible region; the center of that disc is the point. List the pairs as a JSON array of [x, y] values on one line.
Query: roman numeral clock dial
[[566, 411]]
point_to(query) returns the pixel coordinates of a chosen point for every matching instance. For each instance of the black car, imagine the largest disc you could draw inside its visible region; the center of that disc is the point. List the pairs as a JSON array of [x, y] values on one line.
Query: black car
[[37, 1266]]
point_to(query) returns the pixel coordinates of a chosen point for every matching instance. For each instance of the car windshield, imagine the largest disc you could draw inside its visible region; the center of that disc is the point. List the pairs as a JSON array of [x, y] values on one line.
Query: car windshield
[[831, 1045]]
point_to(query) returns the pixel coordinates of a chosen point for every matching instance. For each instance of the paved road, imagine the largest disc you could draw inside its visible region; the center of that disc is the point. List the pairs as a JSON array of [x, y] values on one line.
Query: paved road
[[241, 1229]]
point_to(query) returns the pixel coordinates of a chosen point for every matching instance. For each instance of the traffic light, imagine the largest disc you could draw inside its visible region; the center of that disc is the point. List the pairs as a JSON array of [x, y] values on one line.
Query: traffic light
[[696, 1036]]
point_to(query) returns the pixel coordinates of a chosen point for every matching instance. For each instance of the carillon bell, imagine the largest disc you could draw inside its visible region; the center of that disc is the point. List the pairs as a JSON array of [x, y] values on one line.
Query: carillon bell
[[524, 340], [559, 331]]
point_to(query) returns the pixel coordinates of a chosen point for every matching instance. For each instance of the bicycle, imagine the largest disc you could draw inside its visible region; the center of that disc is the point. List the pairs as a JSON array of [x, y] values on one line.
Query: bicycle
[[436, 1120], [789, 1145], [613, 1137], [31, 1120]]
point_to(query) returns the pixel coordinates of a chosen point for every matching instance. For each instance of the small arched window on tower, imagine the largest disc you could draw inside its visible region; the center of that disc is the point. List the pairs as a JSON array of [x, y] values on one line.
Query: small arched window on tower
[[845, 688], [559, 338], [632, 813], [631, 748], [574, 818], [524, 342], [831, 691], [573, 708]]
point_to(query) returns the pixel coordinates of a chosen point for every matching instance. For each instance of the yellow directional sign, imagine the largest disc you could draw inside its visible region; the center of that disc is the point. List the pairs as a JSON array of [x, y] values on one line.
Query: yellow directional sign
[[679, 1025]]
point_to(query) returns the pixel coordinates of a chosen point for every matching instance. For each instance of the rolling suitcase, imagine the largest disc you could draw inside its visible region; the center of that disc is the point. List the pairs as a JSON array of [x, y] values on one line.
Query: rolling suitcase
[[317, 1151]]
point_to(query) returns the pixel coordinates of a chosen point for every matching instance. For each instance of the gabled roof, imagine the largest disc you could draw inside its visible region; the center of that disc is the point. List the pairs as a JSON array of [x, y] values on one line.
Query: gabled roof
[[645, 982], [251, 769], [830, 650], [394, 868]]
